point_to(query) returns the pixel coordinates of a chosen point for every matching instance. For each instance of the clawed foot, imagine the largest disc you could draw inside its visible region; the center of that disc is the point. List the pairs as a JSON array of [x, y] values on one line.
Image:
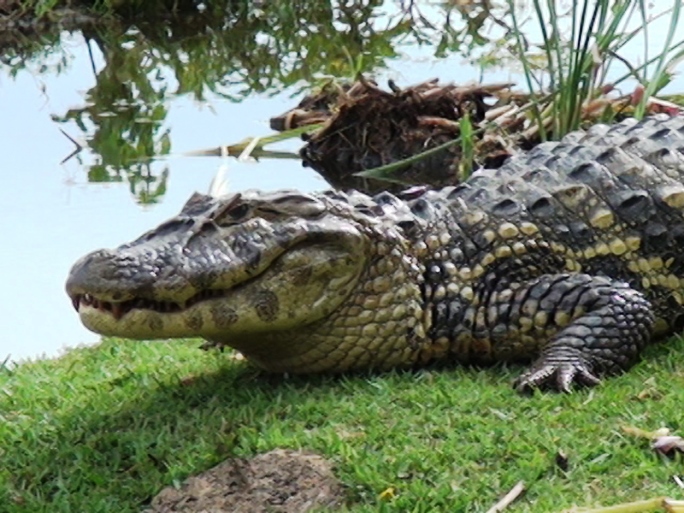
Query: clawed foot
[[557, 373]]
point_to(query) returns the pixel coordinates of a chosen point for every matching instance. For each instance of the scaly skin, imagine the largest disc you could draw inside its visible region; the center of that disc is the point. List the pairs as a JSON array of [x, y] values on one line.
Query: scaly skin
[[569, 256]]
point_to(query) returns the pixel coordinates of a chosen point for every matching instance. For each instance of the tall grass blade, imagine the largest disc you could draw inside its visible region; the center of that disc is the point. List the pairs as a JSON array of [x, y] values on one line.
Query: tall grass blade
[[655, 84], [522, 54]]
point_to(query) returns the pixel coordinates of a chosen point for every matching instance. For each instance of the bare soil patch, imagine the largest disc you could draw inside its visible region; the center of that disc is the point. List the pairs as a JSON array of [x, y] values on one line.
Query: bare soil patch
[[278, 481]]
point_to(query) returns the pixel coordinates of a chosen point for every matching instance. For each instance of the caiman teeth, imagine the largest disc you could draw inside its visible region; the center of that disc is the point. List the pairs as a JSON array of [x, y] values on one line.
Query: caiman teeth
[[117, 310], [120, 308]]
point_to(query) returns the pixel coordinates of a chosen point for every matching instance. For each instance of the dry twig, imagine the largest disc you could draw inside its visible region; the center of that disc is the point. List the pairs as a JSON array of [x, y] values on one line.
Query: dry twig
[[511, 496]]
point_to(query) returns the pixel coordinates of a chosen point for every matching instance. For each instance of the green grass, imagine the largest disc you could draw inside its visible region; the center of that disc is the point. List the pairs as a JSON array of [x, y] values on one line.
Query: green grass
[[103, 429]]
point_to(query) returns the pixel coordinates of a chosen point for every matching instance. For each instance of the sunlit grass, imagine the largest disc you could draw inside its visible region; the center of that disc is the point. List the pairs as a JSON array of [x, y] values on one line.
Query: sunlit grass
[[105, 428]]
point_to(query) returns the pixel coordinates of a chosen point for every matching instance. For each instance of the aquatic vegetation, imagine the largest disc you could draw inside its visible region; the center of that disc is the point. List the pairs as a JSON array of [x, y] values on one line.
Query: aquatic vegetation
[[574, 72], [567, 79]]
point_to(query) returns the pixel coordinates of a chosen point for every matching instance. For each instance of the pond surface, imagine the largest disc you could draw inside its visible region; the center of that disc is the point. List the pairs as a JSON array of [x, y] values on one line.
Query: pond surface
[[128, 93]]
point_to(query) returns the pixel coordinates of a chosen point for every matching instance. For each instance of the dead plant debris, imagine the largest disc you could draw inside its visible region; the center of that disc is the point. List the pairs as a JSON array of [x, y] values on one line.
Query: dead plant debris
[[509, 498], [366, 127], [662, 442]]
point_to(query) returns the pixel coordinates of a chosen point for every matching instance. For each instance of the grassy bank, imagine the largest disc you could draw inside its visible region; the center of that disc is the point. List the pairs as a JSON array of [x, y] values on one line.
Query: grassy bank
[[103, 429]]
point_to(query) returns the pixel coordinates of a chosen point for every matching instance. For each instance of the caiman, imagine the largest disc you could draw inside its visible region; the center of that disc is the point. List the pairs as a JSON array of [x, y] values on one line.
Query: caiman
[[569, 256]]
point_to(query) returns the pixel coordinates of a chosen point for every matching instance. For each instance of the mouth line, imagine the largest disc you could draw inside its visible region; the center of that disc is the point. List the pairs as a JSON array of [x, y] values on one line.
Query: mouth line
[[120, 308]]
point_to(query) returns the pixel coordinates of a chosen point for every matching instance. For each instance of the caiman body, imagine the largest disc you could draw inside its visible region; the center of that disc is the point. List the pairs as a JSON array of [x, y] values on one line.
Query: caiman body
[[570, 256]]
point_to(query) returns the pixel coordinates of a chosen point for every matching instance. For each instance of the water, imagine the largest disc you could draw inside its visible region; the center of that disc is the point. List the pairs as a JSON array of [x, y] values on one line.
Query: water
[[53, 214]]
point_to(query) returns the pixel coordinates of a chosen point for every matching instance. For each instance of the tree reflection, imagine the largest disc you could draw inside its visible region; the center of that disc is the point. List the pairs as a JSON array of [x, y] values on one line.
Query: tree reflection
[[232, 50]]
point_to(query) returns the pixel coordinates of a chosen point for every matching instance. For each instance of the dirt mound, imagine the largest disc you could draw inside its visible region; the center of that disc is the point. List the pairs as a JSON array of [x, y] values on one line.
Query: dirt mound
[[277, 481]]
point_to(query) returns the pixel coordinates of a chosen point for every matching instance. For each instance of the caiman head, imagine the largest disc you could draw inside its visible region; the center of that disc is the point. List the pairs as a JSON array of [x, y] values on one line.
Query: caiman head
[[296, 282]]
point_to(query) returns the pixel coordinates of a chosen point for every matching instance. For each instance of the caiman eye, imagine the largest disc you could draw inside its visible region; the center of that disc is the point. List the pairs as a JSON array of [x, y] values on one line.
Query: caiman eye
[[238, 212]]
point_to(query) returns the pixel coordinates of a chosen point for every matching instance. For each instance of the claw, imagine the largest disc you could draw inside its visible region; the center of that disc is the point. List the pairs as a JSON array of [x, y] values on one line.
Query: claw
[[559, 376], [587, 378], [564, 378]]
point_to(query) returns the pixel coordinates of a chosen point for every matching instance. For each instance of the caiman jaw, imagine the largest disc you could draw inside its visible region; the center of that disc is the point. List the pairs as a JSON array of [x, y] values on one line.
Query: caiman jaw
[[120, 308], [144, 318]]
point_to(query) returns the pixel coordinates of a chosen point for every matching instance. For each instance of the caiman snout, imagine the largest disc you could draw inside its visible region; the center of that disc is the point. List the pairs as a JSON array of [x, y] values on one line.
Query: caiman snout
[[111, 275]]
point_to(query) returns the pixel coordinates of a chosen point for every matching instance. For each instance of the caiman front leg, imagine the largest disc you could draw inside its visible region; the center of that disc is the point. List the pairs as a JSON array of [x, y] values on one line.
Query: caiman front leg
[[596, 326]]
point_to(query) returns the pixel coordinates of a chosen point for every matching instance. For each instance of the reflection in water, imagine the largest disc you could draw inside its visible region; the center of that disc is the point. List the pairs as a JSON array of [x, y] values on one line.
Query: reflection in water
[[246, 50], [124, 115]]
